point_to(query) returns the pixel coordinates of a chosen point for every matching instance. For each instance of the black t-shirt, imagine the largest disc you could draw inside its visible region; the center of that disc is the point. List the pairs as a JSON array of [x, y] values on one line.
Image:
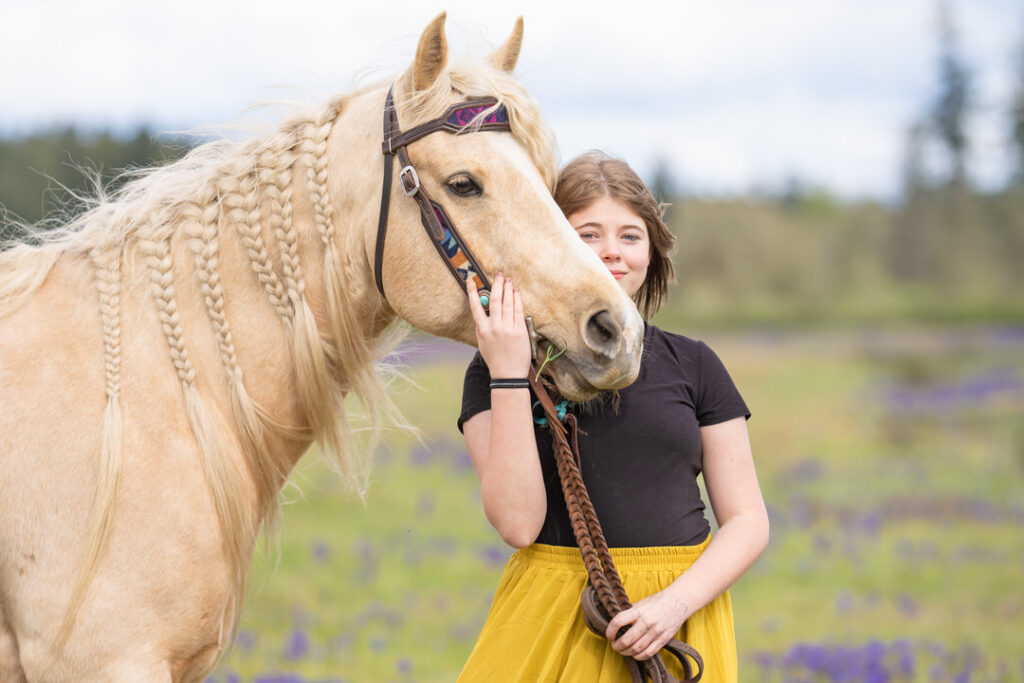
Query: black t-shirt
[[639, 459]]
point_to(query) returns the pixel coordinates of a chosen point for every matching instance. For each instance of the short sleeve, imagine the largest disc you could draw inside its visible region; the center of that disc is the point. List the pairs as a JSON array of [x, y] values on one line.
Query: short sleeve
[[718, 399], [476, 389]]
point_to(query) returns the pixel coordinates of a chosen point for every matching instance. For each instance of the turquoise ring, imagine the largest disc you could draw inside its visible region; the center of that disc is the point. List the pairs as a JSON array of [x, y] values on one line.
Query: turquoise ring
[[485, 299]]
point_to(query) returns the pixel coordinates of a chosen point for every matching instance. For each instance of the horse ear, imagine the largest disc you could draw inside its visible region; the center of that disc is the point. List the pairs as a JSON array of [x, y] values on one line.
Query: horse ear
[[431, 56], [506, 56]]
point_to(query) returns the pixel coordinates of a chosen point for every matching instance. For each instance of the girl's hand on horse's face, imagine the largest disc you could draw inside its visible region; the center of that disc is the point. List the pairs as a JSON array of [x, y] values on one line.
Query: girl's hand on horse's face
[[502, 337], [653, 621]]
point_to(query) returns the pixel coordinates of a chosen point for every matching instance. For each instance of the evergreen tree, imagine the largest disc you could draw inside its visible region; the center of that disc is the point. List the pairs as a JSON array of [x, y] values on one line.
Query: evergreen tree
[[43, 171], [951, 107], [1017, 122], [664, 188], [915, 174], [905, 251]]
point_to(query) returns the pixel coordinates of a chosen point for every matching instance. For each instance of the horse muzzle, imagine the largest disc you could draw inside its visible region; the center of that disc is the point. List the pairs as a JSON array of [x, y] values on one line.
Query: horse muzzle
[[606, 356]]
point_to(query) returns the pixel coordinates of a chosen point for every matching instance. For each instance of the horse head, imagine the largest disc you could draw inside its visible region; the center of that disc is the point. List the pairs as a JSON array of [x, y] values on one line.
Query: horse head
[[495, 186]]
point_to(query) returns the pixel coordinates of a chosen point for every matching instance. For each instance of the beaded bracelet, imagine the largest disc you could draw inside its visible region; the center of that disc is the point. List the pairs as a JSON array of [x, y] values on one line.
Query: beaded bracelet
[[510, 383]]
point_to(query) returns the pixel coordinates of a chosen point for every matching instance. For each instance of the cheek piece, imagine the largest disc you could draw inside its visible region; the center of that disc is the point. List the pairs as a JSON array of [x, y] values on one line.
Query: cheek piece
[[478, 114], [482, 114]]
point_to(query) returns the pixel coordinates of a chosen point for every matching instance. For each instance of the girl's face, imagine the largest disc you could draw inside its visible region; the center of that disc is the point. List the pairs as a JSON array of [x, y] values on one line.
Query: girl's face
[[619, 237]]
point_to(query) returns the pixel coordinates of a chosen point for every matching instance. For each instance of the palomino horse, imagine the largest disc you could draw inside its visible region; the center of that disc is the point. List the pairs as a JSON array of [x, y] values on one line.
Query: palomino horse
[[166, 359]]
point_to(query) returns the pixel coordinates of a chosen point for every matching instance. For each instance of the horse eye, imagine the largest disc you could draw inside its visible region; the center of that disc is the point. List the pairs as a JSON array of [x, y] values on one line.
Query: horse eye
[[462, 185]]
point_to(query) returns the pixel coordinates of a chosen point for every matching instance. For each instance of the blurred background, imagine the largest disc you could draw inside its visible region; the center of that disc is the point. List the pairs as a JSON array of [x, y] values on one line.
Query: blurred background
[[846, 182]]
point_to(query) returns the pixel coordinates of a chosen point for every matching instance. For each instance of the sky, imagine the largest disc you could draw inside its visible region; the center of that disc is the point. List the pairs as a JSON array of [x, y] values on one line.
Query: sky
[[730, 96]]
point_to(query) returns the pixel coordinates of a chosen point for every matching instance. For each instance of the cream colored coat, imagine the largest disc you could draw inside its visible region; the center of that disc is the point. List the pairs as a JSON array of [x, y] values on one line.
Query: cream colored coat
[[167, 360]]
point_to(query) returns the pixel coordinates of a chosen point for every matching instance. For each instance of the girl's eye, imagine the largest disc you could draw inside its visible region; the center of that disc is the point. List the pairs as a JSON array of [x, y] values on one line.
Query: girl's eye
[[588, 235], [461, 185]]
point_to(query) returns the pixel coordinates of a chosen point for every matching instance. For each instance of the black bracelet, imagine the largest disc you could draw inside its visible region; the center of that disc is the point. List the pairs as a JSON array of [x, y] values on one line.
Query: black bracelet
[[510, 383]]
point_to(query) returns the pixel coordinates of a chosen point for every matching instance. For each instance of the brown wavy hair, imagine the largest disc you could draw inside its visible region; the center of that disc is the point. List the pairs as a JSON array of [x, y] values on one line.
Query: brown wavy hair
[[593, 175]]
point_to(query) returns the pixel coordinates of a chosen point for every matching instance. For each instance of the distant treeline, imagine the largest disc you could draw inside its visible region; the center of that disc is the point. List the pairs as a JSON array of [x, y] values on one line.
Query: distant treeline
[[42, 173], [946, 253]]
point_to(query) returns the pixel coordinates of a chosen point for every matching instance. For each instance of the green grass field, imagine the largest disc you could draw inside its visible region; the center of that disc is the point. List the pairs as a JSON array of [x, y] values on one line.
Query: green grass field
[[892, 462]]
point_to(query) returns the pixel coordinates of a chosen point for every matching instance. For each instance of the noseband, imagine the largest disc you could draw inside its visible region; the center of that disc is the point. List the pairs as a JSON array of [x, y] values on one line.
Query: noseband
[[443, 235]]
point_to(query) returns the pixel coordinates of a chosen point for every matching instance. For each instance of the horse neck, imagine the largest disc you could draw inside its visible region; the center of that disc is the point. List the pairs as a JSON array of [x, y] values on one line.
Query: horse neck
[[291, 312]]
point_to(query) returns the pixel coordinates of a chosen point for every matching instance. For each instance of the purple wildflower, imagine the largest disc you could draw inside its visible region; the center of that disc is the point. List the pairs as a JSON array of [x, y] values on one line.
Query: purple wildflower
[[320, 550], [420, 456], [245, 640], [462, 462], [279, 678], [298, 644], [907, 605], [493, 556]]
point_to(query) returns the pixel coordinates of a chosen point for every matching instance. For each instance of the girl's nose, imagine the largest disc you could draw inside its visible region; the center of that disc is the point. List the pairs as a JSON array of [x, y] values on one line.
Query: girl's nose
[[609, 250]]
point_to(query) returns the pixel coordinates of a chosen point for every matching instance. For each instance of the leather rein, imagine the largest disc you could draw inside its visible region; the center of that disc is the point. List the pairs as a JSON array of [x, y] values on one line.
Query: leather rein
[[604, 596]]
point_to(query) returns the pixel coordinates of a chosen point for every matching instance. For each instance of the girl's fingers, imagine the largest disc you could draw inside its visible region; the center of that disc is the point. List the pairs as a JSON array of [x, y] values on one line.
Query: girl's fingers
[[641, 644], [627, 641], [517, 311], [653, 649], [508, 302], [479, 314], [623, 618], [497, 296]]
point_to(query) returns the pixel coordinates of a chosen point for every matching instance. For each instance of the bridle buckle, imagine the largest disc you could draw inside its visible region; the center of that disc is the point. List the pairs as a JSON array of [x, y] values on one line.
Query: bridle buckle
[[410, 180]]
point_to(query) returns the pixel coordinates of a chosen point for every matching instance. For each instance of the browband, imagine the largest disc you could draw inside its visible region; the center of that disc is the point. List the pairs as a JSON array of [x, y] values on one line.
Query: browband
[[477, 114], [455, 120]]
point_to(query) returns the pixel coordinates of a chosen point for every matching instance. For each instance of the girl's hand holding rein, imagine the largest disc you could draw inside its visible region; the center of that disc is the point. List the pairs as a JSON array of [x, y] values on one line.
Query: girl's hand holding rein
[[502, 337], [652, 621]]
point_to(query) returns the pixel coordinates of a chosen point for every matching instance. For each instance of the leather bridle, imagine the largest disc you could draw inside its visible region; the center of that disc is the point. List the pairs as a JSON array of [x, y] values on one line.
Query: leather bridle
[[476, 114]]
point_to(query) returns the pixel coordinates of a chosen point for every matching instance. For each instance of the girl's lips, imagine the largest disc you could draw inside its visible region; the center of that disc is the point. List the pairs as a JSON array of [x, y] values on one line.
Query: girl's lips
[[618, 274]]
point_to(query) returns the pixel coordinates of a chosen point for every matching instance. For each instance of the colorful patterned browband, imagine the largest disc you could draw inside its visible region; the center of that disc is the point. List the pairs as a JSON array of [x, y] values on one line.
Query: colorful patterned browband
[[464, 115], [457, 118]]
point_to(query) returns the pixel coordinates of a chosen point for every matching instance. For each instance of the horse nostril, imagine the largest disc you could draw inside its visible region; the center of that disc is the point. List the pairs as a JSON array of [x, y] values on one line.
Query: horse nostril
[[603, 333]]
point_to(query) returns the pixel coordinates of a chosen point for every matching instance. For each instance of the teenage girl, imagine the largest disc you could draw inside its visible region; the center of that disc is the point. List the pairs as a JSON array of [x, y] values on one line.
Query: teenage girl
[[640, 457]]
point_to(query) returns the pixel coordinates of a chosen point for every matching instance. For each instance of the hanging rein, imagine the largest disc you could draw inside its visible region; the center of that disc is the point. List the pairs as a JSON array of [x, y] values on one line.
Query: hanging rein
[[604, 596]]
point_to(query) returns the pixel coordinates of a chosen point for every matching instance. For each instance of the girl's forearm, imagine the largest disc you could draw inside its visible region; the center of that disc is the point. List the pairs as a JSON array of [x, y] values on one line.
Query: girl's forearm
[[733, 549], [511, 484]]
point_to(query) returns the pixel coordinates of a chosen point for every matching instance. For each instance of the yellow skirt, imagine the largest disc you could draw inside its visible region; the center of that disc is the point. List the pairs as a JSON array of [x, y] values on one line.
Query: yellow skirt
[[535, 629]]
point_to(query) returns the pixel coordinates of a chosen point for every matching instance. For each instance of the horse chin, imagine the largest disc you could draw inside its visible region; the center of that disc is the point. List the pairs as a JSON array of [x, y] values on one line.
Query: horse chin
[[580, 382], [574, 388]]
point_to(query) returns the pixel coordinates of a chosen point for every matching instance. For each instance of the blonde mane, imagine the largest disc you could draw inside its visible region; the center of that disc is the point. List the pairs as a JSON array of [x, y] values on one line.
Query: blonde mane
[[246, 187]]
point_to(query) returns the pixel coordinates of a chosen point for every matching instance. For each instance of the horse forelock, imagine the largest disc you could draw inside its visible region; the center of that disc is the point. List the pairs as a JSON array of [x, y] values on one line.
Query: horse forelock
[[465, 79]]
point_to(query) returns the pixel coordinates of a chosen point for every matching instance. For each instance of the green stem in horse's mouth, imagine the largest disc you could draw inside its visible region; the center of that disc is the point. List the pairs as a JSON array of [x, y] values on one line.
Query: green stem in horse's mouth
[[547, 359]]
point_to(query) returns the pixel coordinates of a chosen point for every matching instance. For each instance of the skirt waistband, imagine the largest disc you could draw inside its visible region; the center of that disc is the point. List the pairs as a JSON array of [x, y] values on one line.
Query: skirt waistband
[[654, 558]]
